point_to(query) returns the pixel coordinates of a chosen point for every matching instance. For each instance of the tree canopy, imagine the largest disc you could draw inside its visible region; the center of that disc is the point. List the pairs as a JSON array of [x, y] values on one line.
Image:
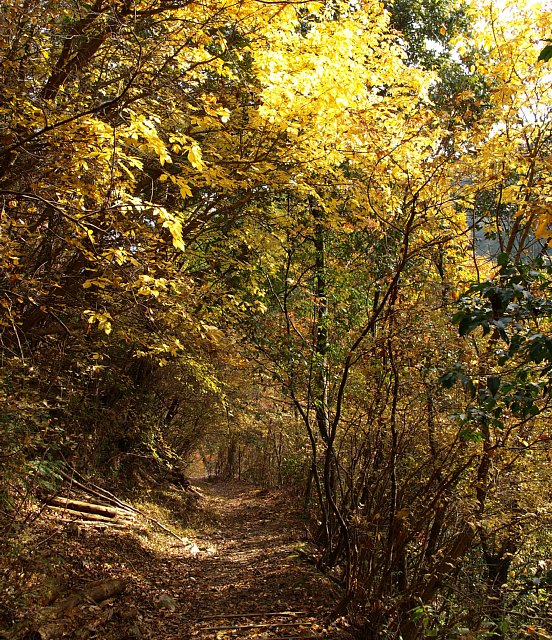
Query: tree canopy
[[309, 242]]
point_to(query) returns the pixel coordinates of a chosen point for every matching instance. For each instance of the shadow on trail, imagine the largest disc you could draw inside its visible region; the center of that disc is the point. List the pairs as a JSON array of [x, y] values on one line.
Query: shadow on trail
[[246, 571]]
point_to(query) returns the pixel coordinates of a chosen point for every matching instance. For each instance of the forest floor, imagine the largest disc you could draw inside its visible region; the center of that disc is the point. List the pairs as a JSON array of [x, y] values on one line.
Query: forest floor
[[246, 576]]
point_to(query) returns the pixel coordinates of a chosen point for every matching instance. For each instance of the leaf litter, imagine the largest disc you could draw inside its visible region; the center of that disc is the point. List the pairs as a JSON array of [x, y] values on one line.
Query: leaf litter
[[240, 579]]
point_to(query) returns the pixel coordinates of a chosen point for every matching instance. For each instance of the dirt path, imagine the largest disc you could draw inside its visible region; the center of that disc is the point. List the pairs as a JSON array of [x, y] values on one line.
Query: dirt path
[[248, 579], [256, 571], [248, 572]]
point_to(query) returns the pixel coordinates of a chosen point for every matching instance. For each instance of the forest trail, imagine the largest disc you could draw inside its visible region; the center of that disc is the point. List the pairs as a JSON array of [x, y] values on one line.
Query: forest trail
[[251, 571], [245, 575]]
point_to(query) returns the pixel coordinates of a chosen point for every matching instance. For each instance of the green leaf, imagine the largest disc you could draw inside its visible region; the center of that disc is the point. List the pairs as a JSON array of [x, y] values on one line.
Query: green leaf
[[502, 259], [493, 384], [467, 384], [469, 435], [466, 326], [448, 379], [546, 53]]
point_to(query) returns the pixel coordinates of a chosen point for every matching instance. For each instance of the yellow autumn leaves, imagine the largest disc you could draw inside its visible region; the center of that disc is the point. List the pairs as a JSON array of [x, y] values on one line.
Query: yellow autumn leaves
[[510, 143], [341, 91], [223, 103], [331, 82]]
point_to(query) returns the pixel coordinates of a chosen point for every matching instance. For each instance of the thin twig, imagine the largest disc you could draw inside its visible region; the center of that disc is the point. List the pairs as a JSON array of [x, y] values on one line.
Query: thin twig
[[272, 614], [109, 497], [256, 626]]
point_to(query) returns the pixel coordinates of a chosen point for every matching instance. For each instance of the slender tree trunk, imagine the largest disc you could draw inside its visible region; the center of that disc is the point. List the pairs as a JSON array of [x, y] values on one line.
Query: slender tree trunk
[[321, 344]]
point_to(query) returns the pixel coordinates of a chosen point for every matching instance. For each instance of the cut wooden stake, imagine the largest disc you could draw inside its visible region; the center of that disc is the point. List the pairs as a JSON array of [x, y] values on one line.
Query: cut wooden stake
[[104, 589], [90, 516], [89, 507], [94, 592]]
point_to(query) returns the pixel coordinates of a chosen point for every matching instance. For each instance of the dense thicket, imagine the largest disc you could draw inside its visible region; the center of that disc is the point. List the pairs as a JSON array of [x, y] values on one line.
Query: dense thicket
[[308, 249]]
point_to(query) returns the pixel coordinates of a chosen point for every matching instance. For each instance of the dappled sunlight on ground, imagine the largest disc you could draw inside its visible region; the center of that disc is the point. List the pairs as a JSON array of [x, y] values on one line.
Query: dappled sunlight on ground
[[244, 579]]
